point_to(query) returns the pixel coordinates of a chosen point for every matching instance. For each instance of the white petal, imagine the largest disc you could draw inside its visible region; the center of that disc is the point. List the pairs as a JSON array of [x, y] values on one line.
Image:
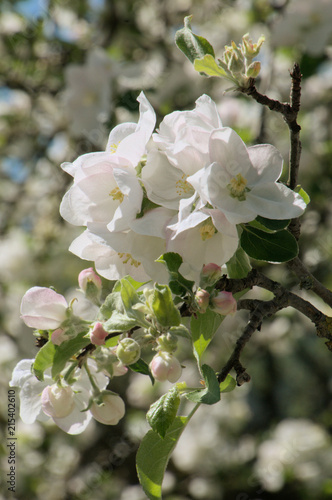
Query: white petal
[[267, 163]]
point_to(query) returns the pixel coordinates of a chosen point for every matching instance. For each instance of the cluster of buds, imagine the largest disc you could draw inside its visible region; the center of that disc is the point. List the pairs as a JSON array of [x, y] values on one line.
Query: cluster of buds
[[238, 61], [206, 296]]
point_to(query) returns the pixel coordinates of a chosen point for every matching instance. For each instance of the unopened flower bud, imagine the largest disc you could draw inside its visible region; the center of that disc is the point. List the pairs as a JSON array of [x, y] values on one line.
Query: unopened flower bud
[[90, 283], [98, 334], [165, 366], [210, 274], [108, 362], [202, 298], [128, 351], [250, 49], [109, 409], [57, 402], [224, 303]]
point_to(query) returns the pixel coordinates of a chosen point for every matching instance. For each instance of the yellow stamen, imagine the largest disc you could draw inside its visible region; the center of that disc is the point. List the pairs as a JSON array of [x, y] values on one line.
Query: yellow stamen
[[117, 195], [182, 186], [207, 231], [126, 257], [113, 147], [237, 187]]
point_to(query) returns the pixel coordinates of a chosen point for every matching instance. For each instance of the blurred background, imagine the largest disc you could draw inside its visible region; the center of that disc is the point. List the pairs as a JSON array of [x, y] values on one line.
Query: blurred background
[[69, 72]]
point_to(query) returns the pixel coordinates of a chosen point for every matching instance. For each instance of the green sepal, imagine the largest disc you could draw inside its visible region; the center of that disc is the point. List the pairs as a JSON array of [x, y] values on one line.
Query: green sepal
[[162, 413]]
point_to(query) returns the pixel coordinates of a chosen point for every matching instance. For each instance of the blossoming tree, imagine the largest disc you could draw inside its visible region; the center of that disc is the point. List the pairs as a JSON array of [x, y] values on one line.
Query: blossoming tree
[[174, 216]]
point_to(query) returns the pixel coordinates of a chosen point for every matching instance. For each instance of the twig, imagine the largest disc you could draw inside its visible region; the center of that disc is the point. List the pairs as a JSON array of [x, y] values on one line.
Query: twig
[[309, 282]]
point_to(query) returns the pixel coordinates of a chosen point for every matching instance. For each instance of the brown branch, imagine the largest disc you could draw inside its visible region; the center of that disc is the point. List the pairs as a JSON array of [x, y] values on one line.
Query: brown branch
[[309, 282]]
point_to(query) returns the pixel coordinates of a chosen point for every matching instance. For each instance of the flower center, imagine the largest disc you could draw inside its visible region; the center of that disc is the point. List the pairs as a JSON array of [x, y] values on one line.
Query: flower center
[[182, 186], [127, 257], [113, 147], [207, 230], [237, 187], [117, 195]]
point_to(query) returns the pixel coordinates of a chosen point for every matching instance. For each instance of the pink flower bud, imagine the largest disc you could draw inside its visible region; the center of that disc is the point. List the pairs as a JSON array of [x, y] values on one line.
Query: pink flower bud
[[110, 411], [58, 336], [210, 274], [224, 303], [202, 298], [165, 366], [90, 283], [98, 334], [57, 402], [43, 308]]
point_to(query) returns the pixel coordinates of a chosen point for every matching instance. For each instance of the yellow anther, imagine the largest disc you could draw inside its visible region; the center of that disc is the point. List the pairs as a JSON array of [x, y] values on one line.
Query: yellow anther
[[207, 230], [237, 187], [182, 186], [117, 195], [127, 258]]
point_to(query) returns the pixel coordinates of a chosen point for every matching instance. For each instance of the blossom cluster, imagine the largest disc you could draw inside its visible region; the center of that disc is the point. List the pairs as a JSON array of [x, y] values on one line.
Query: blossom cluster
[[184, 188]]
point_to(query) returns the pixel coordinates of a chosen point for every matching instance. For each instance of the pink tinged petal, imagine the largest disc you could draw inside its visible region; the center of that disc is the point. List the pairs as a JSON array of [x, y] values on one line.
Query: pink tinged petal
[[228, 149], [58, 336], [267, 164], [57, 402], [98, 334], [43, 308], [224, 303]]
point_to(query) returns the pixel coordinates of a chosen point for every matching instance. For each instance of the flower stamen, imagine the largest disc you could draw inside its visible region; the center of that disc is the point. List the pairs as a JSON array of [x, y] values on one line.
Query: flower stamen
[[237, 187]]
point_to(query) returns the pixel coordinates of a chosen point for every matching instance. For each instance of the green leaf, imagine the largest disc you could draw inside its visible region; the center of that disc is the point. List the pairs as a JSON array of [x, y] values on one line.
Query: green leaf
[[211, 394], [239, 265], [153, 456], [163, 307], [162, 413], [119, 322], [44, 359], [303, 194], [203, 327], [178, 284], [228, 384], [280, 246], [128, 295], [193, 46], [112, 302], [66, 350], [209, 66], [273, 224], [142, 367]]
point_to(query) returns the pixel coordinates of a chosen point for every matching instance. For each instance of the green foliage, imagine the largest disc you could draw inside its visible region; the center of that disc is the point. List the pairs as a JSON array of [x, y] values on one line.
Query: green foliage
[[66, 350], [141, 367], [280, 246], [44, 359], [228, 384], [211, 394], [203, 327], [238, 266], [177, 283], [193, 46], [162, 413], [163, 306]]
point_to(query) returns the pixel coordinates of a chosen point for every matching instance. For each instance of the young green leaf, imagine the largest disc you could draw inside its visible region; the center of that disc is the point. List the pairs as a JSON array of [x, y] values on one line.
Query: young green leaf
[[239, 265], [209, 67], [211, 394], [162, 413], [178, 284], [163, 307], [228, 384], [66, 350], [203, 327], [153, 456], [113, 302], [142, 367], [119, 322], [44, 359], [193, 46], [273, 224], [280, 246]]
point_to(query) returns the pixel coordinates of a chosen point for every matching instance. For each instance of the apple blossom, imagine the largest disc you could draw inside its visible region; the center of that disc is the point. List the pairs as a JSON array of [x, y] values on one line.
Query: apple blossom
[[43, 308], [56, 401], [110, 410], [224, 303], [202, 298], [210, 274], [242, 182], [165, 366], [88, 277], [31, 389], [128, 351]]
